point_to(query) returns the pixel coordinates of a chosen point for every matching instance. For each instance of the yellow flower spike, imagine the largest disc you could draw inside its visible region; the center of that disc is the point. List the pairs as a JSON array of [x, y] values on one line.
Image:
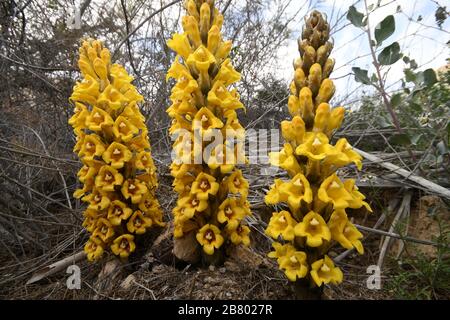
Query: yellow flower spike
[[93, 249], [214, 39], [357, 200], [123, 129], [149, 204], [240, 235], [107, 178], [221, 97], [204, 185], [275, 196], [281, 223], [134, 189], [333, 190], [314, 228], [123, 246], [315, 146], [209, 238], [92, 147], [205, 120], [118, 212], [285, 159], [231, 213], [323, 271], [335, 121], [326, 91], [138, 223], [297, 189], [322, 117], [227, 74], [88, 186], [183, 184], [281, 250], [116, 155], [80, 115], [344, 232], [190, 26], [237, 184], [180, 44], [97, 200], [295, 265], [98, 120], [293, 131]]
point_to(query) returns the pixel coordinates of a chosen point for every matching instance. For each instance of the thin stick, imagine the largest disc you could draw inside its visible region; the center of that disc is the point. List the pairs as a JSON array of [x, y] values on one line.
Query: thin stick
[[56, 267], [427, 184]]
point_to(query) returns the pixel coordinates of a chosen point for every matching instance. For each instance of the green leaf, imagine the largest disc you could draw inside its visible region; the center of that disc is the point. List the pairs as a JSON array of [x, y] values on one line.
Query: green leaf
[[415, 139], [410, 76], [361, 75], [355, 17], [429, 77], [396, 99], [385, 29], [400, 139], [390, 55]]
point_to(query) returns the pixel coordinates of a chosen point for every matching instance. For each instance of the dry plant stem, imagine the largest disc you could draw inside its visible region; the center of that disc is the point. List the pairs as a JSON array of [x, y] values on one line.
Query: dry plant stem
[[404, 207], [428, 185], [380, 86], [56, 267]]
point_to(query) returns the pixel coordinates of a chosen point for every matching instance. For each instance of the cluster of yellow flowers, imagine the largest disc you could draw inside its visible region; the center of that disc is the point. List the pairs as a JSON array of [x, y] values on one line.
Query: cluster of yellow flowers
[[212, 193], [118, 173], [316, 197]]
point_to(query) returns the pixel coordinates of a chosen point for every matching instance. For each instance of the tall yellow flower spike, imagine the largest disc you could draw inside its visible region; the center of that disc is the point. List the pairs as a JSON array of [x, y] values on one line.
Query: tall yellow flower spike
[[315, 195], [118, 173], [212, 192]]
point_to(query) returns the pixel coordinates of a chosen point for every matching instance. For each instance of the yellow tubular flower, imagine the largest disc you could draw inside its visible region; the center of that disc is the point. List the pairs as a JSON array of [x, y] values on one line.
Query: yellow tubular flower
[[209, 237], [93, 249], [231, 212], [212, 194], [314, 228], [295, 265], [118, 173], [316, 197], [123, 246], [324, 271], [344, 232], [281, 223], [281, 250]]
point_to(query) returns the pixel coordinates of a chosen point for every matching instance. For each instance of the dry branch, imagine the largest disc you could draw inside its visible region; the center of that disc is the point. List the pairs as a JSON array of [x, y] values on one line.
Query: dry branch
[[426, 184], [56, 267]]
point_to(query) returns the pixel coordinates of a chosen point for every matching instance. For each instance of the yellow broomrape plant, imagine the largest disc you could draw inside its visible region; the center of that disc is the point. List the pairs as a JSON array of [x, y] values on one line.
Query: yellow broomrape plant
[[316, 197], [212, 192], [118, 173]]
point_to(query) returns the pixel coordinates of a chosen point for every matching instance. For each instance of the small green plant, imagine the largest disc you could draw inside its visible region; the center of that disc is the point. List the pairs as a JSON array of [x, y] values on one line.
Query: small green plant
[[422, 277]]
